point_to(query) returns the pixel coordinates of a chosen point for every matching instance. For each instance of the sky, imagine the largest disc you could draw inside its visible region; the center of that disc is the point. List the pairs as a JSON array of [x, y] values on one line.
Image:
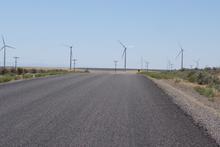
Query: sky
[[152, 30]]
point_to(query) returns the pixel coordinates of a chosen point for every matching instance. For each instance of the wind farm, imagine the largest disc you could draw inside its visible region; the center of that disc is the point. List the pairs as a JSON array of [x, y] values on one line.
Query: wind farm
[[109, 73]]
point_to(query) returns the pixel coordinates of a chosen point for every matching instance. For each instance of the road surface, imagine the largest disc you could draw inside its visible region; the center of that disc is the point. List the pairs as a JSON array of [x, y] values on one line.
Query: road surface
[[94, 110]]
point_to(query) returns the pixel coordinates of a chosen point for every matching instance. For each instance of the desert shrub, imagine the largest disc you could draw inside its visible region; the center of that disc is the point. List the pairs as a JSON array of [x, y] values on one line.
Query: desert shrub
[[20, 71], [214, 68], [206, 91], [28, 76], [26, 71], [208, 69], [203, 78], [18, 77], [33, 70], [215, 86], [191, 77], [13, 70], [4, 71], [40, 75], [6, 78], [41, 71]]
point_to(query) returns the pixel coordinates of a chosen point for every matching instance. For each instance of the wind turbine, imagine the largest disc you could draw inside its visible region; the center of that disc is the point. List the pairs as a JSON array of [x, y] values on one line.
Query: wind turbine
[[197, 63], [71, 55], [124, 54], [181, 53], [5, 48]]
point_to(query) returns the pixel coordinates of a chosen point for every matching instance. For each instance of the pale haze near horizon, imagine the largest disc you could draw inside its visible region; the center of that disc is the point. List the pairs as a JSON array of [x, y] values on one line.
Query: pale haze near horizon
[[38, 30]]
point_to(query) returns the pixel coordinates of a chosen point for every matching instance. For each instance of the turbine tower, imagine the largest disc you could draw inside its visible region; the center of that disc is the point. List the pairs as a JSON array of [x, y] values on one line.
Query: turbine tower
[[116, 62], [5, 48], [197, 63], [16, 62], [124, 55], [181, 53], [71, 54]]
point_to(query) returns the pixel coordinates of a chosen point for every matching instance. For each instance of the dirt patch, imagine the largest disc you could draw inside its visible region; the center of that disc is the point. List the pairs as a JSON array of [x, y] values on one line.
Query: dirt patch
[[188, 88]]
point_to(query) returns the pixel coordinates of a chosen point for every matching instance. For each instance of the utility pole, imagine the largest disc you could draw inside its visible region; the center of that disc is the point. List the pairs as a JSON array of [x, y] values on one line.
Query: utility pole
[[171, 67], [16, 62], [182, 59], [71, 54], [125, 59], [147, 66], [141, 63], [74, 64], [115, 65], [197, 63]]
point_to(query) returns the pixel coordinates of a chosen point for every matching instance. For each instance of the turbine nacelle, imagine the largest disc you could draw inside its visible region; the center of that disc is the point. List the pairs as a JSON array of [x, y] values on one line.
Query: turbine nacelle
[[5, 46]]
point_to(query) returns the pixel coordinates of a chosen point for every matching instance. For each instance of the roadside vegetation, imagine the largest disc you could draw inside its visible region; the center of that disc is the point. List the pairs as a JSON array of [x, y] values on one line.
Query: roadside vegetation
[[10, 74], [207, 81]]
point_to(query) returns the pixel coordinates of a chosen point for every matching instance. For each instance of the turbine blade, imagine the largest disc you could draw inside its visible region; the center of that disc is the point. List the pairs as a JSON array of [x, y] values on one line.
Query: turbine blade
[[3, 40], [66, 45], [2, 48], [122, 44], [179, 54], [9, 47]]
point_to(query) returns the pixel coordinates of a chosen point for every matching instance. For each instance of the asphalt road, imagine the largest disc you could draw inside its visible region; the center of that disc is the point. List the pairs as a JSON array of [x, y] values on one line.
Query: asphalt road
[[94, 110]]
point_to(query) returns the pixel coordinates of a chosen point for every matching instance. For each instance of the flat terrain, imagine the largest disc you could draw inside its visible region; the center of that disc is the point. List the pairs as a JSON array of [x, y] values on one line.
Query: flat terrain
[[94, 110]]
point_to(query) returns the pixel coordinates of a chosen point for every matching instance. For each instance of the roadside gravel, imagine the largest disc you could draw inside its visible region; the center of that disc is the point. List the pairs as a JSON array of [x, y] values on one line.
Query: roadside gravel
[[204, 115]]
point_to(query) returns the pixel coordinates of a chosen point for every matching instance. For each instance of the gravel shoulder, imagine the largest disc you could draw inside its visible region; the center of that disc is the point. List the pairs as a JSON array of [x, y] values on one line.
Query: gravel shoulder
[[206, 114]]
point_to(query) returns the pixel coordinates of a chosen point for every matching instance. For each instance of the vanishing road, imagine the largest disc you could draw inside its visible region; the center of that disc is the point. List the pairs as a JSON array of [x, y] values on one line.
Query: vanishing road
[[94, 110]]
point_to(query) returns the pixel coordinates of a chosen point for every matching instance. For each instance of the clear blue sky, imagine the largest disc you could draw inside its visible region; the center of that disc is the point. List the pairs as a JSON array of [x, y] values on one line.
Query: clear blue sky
[[154, 27]]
